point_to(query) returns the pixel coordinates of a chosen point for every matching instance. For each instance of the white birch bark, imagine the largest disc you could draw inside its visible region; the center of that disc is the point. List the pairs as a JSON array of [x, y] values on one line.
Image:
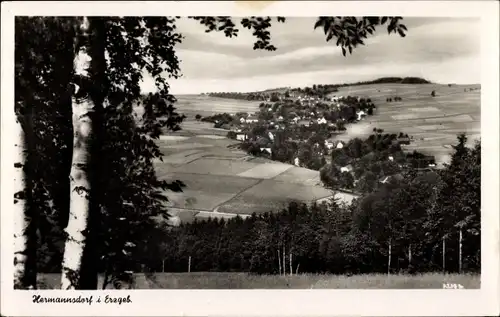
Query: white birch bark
[[79, 178], [389, 257], [409, 254], [279, 260], [22, 219], [460, 239], [283, 264]]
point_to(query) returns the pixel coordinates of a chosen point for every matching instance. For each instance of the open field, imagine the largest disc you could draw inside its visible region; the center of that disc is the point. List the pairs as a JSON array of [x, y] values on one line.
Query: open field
[[190, 105], [216, 280], [270, 195], [434, 122]]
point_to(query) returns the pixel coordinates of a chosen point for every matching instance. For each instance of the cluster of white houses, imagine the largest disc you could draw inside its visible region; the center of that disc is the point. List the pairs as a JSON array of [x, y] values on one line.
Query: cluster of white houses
[[278, 122]]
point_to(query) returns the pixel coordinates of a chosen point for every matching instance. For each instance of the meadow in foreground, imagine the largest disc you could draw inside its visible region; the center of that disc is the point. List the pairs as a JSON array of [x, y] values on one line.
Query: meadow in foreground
[[208, 280]]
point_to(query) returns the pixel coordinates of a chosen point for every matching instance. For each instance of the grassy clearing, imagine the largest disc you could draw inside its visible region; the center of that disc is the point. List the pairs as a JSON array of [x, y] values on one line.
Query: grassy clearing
[[206, 280]]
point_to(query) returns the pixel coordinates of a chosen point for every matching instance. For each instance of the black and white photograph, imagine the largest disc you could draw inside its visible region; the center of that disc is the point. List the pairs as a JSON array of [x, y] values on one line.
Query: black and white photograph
[[251, 147]]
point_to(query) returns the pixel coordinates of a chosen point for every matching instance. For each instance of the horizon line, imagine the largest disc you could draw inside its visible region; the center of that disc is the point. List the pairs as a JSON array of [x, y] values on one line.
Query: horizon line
[[350, 83]]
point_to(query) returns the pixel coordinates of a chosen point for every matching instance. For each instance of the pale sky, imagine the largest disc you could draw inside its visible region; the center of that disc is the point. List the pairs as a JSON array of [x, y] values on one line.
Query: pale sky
[[443, 50]]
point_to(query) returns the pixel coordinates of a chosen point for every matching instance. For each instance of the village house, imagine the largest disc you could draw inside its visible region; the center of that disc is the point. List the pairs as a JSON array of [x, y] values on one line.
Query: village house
[[252, 119], [265, 149], [296, 161], [340, 145], [404, 141], [271, 136], [346, 169], [242, 120], [391, 158], [361, 114], [322, 121], [241, 136], [329, 145]]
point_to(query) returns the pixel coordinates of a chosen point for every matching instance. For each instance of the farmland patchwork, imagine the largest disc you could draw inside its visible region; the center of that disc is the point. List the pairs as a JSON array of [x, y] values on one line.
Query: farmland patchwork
[[244, 184]]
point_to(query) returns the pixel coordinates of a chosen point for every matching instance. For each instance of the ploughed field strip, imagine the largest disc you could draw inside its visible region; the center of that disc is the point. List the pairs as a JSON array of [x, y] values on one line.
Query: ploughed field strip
[[190, 105], [222, 182], [432, 121]]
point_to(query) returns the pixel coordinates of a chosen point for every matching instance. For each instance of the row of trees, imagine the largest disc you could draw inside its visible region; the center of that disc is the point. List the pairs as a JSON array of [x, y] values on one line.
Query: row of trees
[[85, 188], [428, 221], [393, 99], [372, 159], [240, 96], [320, 91]]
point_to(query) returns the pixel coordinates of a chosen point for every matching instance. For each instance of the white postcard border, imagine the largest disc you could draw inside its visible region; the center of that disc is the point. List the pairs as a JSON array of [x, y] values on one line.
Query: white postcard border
[[481, 302]]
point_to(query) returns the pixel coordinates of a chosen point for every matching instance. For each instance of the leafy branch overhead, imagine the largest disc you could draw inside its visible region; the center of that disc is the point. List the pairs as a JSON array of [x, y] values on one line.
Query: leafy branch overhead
[[349, 32]]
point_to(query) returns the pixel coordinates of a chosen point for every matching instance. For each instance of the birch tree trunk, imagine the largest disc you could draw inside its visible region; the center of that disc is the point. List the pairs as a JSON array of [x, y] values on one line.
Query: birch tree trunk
[[79, 212], [409, 255], [279, 260], [460, 250], [389, 257], [25, 238], [97, 95], [283, 264]]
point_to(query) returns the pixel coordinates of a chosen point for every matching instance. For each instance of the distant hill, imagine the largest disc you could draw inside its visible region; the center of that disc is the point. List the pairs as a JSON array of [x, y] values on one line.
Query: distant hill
[[381, 80], [333, 87], [389, 80]]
